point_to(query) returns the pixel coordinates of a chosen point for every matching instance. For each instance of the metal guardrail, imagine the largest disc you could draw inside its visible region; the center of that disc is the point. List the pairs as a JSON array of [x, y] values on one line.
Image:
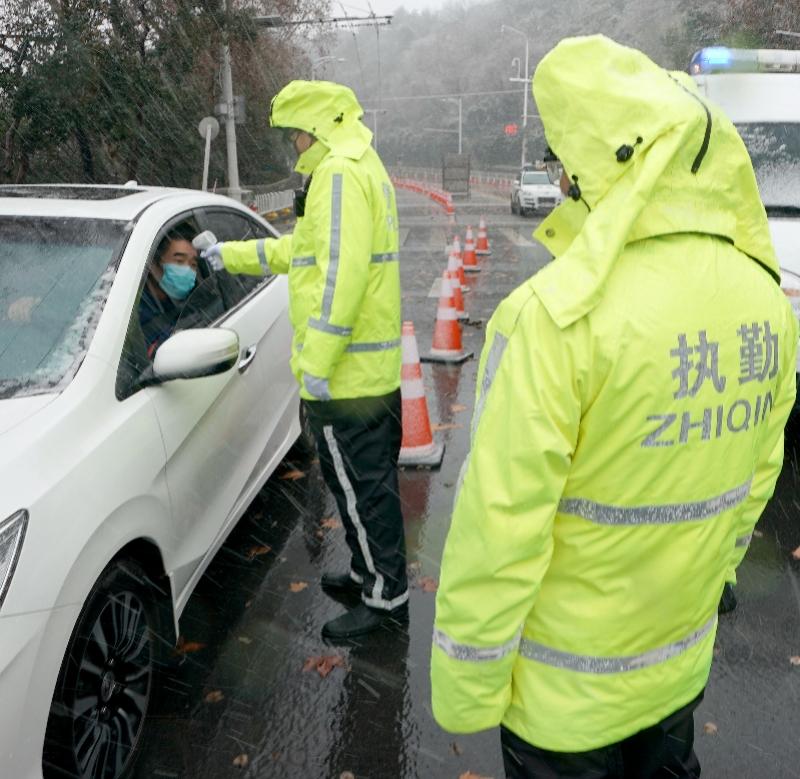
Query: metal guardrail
[[272, 204]]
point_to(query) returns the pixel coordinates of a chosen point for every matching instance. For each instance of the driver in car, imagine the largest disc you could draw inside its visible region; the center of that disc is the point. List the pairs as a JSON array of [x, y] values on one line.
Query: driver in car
[[171, 279]]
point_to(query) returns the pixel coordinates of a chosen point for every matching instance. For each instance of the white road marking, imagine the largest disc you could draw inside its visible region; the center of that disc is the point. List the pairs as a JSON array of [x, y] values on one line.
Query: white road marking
[[516, 238]]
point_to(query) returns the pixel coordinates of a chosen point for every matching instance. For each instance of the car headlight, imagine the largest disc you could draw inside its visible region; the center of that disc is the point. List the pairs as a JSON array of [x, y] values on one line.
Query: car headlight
[[790, 284], [12, 532]]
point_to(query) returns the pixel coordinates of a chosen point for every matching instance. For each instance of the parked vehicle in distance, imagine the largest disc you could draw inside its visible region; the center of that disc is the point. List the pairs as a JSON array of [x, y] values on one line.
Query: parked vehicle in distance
[[123, 467], [532, 191], [757, 89]]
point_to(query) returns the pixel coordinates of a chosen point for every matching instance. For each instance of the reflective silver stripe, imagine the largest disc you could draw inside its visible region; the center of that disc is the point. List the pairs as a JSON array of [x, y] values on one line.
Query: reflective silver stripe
[[356, 577], [389, 257], [336, 239], [744, 540], [499, 343], [302, 262], [667, 513], [611, 665], [326, 327], [262, 255], [316, 387], [474, 654], [352, 511], [375, 346], [387, 605]]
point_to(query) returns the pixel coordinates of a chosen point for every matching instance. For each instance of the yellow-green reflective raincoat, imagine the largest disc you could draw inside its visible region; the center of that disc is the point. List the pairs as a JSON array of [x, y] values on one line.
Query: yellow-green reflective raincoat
[[342, 258], [628, 426]]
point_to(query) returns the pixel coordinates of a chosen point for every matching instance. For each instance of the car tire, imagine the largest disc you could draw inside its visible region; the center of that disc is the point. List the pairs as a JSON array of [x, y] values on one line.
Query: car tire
[[513, 206], [107, 679]]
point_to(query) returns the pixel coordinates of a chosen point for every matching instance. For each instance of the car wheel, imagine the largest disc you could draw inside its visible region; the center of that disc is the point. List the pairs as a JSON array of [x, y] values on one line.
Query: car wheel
[[106, 679]]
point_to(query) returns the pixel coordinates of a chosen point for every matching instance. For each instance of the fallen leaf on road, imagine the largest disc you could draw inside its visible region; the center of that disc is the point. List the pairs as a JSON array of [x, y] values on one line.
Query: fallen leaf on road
[[415, 566], [184, 647], [470, 775], [323, 664], [445, 426], [347, 775], [255, 551], [428, 584], [795, 659], [298, 586], [710, 729], [456, 748], [455, 408], [241, 761], [215, 696], [294, 475], [796, 553], [330, 523], [319, 534]]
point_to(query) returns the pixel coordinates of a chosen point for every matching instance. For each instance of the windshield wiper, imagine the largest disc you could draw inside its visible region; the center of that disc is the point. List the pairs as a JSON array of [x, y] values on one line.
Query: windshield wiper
[[775, 210]]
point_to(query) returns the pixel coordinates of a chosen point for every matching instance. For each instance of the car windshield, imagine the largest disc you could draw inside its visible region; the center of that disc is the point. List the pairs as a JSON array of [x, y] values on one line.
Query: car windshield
[[55, 274], [535, 177], [775, 151]]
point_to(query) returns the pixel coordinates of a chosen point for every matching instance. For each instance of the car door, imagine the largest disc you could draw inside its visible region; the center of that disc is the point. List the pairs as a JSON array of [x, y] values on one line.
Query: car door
[[217, 429]]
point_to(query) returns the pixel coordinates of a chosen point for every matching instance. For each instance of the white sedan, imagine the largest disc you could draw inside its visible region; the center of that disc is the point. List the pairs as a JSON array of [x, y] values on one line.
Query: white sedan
[[126, 455]]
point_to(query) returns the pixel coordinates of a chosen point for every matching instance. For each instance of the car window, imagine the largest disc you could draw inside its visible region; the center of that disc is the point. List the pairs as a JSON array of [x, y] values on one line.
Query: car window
[[774, 149], [55, 276], [230, 225], [167, 302], [535, 177]]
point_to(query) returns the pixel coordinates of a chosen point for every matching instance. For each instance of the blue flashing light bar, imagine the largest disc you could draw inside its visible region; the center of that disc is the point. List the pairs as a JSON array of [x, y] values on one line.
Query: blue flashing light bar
[[721, 59]]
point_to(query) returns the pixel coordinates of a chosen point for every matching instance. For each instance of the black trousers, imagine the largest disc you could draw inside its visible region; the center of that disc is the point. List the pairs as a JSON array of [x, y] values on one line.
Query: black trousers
[[359, 442], [663, 751]]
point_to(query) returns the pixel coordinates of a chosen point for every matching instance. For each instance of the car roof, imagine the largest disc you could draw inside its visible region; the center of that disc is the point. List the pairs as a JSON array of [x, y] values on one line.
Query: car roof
[[96, 201]]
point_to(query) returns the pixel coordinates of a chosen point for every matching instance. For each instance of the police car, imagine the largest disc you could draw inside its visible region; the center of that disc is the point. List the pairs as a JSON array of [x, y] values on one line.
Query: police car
[[759, 89]]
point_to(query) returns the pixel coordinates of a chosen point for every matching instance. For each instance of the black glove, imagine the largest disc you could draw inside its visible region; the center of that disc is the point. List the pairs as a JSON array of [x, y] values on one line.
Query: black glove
[[727, 602]]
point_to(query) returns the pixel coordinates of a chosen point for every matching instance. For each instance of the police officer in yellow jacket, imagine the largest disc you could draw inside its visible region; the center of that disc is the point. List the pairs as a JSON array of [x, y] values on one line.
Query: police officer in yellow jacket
[[628, 431], [344, 287]]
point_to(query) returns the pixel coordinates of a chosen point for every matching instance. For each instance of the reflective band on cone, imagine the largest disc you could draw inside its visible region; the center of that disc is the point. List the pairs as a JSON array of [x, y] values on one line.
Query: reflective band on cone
[[469, 259], [458, 298], [447, 331], [418, 447], [482, 246]]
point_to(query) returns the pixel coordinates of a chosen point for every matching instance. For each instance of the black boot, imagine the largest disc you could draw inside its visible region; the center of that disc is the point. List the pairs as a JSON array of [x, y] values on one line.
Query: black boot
[[727, 602], [340, 584], [363, 619]]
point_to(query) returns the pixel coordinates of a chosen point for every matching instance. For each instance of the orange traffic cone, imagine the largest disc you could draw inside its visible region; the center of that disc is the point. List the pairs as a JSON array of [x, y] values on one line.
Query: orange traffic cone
[[447, 332], [469, 259], [482, 246], [454, 263], [458, 298], [417, 447]]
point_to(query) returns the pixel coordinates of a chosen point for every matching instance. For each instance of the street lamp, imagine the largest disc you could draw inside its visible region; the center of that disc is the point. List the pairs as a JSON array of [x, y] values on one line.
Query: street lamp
[[527, 81], [459, 101], [320, 61]]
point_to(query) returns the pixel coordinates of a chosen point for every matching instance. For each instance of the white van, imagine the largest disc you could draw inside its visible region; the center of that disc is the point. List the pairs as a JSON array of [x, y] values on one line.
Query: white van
[[759, 89]]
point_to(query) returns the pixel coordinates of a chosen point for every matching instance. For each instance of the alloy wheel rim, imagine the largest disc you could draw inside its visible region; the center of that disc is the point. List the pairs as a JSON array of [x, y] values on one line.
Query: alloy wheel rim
[[112, 688]]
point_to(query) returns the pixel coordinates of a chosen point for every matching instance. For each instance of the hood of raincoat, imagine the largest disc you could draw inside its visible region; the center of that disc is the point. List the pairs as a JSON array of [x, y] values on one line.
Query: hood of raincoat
[[651, 158], [330, 112]]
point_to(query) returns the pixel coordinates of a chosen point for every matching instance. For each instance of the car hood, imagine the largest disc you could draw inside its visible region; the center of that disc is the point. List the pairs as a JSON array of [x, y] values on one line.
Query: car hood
[[13, 411]]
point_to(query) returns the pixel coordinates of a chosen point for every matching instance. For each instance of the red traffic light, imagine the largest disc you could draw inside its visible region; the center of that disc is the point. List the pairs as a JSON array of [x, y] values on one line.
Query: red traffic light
[[511, 129]]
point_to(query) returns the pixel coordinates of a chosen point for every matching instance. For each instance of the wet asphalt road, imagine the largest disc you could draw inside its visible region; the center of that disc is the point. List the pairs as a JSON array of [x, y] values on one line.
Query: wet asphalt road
[[237, 702]]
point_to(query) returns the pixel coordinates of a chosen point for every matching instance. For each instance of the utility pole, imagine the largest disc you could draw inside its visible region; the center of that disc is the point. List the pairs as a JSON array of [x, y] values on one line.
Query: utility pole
[[526, 81], [375, 112], [234, 190]]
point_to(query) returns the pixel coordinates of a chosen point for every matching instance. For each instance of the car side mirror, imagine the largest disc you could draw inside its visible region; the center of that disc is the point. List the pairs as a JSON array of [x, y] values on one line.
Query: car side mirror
[[191, 354]]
